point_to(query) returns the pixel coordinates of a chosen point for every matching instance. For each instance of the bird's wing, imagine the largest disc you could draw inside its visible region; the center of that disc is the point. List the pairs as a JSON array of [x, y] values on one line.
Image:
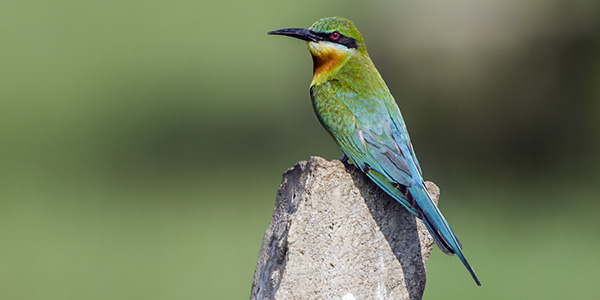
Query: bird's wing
[[380, 146]]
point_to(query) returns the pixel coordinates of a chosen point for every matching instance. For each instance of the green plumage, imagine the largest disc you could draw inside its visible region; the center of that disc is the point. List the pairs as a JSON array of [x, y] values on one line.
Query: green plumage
[[355, 106]]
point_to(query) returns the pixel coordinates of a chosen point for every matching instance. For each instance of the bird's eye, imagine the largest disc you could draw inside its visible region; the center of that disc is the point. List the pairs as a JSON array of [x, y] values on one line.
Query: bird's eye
[[335, 35]]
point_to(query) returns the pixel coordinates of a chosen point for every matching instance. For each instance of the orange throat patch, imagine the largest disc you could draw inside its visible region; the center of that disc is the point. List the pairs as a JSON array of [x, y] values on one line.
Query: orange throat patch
[[325, 61]]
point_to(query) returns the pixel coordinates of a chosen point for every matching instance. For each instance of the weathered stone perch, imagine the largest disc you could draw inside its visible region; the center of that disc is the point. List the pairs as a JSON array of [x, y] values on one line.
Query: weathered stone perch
[[336, 235]]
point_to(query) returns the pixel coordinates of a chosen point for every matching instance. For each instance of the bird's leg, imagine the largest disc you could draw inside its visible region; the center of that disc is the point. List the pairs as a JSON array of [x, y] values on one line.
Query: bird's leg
[[367, 168], [344, 160]]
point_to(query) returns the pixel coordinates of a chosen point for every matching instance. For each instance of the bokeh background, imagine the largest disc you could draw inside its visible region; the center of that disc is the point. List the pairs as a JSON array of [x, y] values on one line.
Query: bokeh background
[[142, 142]]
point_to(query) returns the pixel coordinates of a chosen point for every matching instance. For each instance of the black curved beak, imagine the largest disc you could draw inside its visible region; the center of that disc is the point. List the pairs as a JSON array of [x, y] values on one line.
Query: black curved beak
[[299, 33]]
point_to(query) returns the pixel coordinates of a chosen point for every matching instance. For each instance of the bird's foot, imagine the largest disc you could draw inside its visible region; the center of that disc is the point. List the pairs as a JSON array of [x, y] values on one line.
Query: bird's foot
[[344, 160]]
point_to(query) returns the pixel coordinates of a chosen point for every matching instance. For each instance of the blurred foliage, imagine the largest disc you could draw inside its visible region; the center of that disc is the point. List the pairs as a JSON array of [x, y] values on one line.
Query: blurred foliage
[[143, 141]]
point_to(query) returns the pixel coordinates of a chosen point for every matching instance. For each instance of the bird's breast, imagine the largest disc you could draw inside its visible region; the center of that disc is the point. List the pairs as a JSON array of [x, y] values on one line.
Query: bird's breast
[[330, 109]]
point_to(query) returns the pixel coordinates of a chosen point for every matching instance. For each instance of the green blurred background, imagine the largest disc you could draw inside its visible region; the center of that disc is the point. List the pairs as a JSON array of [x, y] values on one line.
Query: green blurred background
[[143, 142]]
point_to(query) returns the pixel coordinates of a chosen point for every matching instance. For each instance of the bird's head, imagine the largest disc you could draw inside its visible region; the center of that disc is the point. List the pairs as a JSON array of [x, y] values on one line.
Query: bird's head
[[331, 42]]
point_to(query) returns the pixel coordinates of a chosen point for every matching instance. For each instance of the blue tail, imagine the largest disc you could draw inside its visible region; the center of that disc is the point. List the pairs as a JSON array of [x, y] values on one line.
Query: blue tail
[[440, 230]]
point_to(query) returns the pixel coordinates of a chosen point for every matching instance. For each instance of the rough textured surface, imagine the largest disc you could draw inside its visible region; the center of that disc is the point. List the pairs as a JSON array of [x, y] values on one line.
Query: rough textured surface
[[336, 235]]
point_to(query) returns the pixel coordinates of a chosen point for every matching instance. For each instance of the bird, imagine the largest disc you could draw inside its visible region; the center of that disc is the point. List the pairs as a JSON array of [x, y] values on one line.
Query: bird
[[353, 103]]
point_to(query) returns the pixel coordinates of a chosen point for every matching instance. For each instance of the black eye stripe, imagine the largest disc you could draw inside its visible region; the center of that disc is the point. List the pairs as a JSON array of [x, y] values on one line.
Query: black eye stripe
[[342, 39]]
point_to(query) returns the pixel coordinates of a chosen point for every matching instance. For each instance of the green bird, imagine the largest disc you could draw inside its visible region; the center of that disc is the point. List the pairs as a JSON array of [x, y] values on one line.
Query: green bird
[[355, 106]]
